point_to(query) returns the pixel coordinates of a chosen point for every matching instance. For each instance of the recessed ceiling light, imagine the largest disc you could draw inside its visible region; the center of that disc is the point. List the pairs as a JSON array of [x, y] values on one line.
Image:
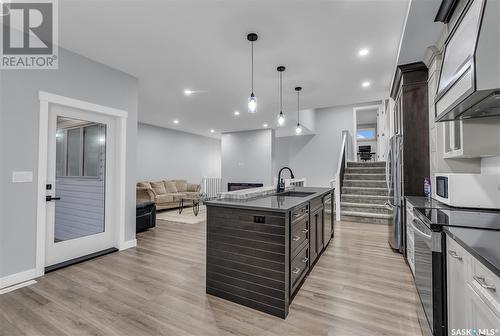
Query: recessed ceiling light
[[236, 113], [363, 52], [365, 84], [265, 125], [212, 131], [176, 121], [188, 92]]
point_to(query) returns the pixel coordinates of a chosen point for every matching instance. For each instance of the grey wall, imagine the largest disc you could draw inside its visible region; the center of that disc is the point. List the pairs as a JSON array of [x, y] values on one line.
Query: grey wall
[[79, 78], [164, 153], [248, 157], [316, 156]]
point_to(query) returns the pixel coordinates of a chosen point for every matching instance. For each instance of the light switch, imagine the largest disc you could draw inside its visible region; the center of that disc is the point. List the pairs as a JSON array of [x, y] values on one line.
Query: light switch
[[22, 176]]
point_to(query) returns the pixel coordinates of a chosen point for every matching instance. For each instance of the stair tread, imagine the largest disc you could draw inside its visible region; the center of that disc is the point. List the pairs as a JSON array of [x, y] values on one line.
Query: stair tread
[[376, 188], [362, 205], [380, 181], [365, 214], [367, 196]]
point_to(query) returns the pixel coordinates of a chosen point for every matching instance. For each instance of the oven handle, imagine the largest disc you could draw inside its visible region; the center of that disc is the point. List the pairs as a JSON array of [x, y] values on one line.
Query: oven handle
[[416, 224]]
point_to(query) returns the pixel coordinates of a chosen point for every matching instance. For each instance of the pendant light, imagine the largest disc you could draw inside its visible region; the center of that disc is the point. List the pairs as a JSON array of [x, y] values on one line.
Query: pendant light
[[281, 116], [298, 129], [252, 100]]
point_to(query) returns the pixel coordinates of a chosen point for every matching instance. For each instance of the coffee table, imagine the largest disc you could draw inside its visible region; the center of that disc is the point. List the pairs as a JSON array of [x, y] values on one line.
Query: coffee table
[[195, 203]]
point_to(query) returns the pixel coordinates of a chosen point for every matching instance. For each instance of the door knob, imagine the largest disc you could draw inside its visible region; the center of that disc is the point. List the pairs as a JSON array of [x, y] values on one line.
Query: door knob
[[50, 198]]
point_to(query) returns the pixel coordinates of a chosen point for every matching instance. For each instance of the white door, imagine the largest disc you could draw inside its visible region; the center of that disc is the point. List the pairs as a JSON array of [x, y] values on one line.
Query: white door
[[80, 165]]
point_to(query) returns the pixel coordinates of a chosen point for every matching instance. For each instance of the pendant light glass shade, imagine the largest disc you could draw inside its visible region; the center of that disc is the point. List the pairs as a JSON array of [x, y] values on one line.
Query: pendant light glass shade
[[281, 116], [252, 100], [298, 129], [252, 104], [281, 119]]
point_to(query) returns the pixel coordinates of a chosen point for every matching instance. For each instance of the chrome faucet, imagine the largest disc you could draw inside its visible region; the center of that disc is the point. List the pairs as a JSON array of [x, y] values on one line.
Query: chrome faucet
[[281, 184]]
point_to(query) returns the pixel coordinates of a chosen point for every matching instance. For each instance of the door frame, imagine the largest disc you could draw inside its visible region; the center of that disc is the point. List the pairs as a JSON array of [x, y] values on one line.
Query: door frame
[[355, 109], [120, 117]]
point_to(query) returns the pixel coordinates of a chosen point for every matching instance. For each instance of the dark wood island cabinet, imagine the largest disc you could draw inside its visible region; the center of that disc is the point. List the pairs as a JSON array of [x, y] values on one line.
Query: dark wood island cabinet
[[260, 250]]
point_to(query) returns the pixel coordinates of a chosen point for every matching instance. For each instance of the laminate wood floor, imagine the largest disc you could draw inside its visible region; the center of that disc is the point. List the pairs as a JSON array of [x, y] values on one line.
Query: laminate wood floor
[[358, 287]]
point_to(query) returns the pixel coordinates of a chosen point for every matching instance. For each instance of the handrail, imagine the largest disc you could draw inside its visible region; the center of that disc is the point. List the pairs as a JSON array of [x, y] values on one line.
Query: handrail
[[339, 176]]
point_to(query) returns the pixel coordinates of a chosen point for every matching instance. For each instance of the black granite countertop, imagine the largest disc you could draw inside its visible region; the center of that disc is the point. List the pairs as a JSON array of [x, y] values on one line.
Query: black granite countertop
[[272, 202], [484, 245], [425, 202]]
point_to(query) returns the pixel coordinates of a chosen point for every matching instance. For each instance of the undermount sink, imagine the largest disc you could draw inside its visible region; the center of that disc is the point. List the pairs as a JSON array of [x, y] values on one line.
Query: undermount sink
[[295, 193]]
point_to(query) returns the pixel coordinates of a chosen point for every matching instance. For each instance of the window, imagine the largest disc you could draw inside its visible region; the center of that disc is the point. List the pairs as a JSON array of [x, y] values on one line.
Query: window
[[80, 151], [366, 134]]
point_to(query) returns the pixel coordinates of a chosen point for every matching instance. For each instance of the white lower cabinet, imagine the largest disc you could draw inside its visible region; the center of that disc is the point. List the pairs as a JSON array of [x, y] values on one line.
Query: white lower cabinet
[[480, 316], [473, 301], [457, 263]]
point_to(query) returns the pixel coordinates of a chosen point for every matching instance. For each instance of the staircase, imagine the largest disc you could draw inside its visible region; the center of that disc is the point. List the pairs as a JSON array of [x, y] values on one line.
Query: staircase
[[364, 193]]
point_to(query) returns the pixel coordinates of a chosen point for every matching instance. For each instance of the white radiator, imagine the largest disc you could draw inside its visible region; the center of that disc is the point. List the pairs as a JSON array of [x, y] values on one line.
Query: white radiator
[[212, 186]]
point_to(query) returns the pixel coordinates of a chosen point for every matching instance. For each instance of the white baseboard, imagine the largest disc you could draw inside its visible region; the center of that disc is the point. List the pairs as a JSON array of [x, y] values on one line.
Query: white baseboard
[[17, 278], [128, 244], [13, 288]]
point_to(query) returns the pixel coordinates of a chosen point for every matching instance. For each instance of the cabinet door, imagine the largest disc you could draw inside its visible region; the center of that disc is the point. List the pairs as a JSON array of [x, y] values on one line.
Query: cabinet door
[[313, 253], [479, 315], [319, 231], [456, 265]]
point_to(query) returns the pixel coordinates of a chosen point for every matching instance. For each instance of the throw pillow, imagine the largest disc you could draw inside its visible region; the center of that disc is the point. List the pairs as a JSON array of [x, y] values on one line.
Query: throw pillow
[[144, 185], [181, 185], [192, 187], [158, 187], [170, 186]]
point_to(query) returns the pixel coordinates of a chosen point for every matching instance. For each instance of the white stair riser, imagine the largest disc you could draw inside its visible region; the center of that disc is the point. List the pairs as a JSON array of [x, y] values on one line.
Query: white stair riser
[[365, 183], [365, 191], [366, 164]]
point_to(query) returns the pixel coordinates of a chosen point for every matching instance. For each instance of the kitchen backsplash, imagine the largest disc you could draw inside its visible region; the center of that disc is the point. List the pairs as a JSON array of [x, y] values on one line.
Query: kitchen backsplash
[[490, 165]]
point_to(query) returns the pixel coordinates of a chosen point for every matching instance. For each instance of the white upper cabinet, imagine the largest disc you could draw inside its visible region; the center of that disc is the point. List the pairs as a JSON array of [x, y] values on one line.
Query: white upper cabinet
[[460, 48], [469, 80], [471, 138]]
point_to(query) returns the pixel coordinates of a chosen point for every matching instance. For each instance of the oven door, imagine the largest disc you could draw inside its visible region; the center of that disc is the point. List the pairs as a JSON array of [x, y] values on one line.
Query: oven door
[[423, 269]]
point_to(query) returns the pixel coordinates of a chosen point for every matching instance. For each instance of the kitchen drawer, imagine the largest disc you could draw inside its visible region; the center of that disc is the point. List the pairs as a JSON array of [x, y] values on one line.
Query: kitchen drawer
[[299, 235], [299, 267], [480, 315], [316, 203], [485, 283], [300, 212]]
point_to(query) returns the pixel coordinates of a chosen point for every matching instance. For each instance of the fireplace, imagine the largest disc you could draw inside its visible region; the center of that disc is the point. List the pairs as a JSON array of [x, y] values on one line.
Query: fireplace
[[240, 186]]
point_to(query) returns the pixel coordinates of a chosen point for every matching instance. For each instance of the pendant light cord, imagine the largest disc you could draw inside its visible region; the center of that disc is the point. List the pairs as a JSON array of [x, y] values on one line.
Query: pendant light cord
[[252, 66], [281, 92], [298, 113]]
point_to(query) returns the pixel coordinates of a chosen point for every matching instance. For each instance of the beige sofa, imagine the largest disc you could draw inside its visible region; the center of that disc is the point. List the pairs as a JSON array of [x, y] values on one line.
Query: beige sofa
[[166, 194]]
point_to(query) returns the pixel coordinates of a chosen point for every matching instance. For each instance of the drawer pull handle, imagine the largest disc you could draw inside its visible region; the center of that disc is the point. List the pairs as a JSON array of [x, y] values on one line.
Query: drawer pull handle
[[482, 282], [454, 254], [296, 270], [306, 259], [305, 231], [296, 238]]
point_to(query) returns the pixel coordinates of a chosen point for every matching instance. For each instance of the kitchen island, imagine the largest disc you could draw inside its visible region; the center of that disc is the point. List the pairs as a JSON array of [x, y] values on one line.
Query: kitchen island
[[260, 250]]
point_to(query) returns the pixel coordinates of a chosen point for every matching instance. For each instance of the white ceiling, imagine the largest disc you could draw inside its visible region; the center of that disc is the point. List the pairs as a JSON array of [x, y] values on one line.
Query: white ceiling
[[420, 30], [201, 45]]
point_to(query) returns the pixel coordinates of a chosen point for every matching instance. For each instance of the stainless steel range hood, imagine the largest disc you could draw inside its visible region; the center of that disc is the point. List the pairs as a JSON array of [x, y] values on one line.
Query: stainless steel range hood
[[469, 81]]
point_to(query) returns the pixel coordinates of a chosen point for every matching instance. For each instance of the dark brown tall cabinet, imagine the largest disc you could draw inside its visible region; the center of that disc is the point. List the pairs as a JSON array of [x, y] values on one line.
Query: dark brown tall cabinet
[[411, 120]]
